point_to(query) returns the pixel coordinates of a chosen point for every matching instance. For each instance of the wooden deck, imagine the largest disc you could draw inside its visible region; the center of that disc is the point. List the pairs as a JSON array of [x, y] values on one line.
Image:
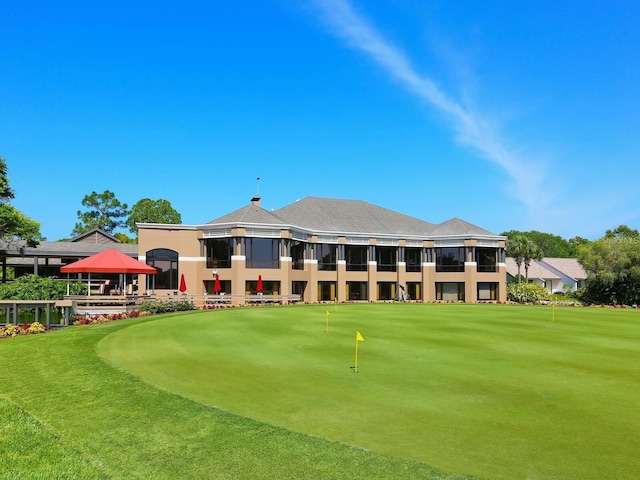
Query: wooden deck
[[106, 304]]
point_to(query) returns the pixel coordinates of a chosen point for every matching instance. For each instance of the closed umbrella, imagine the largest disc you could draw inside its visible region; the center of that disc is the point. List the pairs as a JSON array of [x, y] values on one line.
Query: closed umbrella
[[183, 284], [216, 286], [259, 286]]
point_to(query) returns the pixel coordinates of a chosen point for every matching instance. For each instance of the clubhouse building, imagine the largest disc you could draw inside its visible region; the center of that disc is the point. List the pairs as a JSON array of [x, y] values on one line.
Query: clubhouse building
[[325, 250]]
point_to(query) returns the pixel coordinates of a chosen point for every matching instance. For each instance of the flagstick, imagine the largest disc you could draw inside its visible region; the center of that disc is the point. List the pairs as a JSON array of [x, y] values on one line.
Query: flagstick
[[327, 324], [553, 315], [355, 368]]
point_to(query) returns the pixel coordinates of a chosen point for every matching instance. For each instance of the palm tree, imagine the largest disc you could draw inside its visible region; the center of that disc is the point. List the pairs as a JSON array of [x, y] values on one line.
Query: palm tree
[[523, 250], [515, 250], [531, 251]]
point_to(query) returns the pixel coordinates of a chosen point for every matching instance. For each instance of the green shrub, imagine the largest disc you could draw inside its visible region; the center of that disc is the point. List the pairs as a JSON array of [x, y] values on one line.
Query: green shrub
[[166, 306], [526, 292], [34, 287]]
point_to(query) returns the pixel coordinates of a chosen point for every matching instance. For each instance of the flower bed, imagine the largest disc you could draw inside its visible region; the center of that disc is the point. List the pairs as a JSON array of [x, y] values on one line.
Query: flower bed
[[24, 329], [93, 319]]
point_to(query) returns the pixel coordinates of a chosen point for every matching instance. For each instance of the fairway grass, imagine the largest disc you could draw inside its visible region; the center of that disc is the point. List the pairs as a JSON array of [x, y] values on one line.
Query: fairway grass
[[495, 391]]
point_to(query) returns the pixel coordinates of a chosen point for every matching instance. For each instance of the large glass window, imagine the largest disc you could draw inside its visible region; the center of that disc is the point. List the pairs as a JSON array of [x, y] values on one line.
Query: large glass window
[[487, 291], [262, 253], [268, 287], [297, 255], [165, 261], [356, 257], [326, 291], [386, 291], [327, 256], [357, 291], [414, 289], [298, 287], [486, 259], [219, 251], [412, 258], [386, 258], [450, 259], [450, 291]]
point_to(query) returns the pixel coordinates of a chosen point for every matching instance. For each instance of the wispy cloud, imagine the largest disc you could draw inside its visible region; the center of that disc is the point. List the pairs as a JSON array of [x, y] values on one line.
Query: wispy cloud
[[471, 128]]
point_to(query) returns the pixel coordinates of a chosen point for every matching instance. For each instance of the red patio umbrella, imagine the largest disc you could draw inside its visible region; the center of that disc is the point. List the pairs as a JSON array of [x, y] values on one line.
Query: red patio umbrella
[[259, 286], [216, 286], [183, 283]]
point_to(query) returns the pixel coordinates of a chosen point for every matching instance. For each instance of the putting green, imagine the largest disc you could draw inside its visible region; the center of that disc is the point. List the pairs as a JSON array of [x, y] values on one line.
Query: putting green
[[494, 391]]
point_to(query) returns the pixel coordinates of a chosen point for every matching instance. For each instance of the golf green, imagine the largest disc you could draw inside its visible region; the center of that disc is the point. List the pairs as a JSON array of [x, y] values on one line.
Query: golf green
[[497, 391]]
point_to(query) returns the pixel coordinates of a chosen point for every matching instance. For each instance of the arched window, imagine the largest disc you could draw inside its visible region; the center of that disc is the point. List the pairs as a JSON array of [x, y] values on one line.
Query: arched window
[[165, 261]]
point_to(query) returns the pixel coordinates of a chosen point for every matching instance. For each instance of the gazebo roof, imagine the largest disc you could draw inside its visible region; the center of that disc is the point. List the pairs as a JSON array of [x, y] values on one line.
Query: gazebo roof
[[108, 261]]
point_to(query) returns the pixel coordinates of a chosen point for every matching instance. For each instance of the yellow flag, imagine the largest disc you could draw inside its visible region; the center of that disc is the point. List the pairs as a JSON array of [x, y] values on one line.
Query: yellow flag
[[328, 312], [359, 337]]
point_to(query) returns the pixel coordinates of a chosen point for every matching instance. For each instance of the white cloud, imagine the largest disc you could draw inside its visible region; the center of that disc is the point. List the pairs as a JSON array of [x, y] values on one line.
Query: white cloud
[[471, 128]]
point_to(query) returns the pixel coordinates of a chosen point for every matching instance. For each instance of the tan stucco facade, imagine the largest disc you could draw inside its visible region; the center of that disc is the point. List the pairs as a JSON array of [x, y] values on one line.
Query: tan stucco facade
[[189, 244]]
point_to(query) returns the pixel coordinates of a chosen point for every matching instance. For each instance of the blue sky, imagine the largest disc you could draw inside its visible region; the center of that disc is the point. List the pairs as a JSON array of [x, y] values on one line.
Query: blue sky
[[510, 115]]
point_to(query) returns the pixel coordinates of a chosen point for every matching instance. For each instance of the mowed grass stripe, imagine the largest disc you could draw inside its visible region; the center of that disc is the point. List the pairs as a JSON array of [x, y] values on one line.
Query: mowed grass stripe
[[126, 428], [496, 391]]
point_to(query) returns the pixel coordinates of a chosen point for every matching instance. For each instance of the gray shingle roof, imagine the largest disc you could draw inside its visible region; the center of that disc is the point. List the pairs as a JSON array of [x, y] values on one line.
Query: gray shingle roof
[[71, 249], [350, 216], [456, 226], [569, 266], [536, 270], [250, 214]]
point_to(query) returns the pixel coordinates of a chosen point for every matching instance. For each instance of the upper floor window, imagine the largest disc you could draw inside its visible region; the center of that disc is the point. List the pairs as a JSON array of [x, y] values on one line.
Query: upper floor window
[[262, 252], [486, 259], [297, 255], [326, 255], [450, 259], [412, 259], [356, 258], [386, 258], [165, 261], [219, 251]]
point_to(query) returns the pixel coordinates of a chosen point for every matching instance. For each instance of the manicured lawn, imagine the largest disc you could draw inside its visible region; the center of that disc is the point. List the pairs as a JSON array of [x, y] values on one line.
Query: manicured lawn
[[495, 391]]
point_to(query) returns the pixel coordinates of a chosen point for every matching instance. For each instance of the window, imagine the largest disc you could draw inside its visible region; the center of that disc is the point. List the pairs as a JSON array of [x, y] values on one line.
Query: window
[[486, 259], [219, 251], [450, 259], [414, 289], [386, 258], [356, 257], [297, 287], [386, 290], [268, 287], [357, 291], [327, 256], [326, 291], [165, 261], [412, 259], [297, 255], [487, 291], [262, 252], [450, 292]]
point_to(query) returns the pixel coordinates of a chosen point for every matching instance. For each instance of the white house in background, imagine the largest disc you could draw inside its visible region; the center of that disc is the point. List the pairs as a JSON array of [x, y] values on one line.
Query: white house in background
[[537, 274], [554, 274], [572, 275]]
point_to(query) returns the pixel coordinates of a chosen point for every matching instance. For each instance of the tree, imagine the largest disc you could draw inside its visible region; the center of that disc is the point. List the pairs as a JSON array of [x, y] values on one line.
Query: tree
[[515, 250], [104, 211], [622, 232], [152, 211], [530, 252], [612, 264], [15, 225], [523, 250], [551, 245]]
